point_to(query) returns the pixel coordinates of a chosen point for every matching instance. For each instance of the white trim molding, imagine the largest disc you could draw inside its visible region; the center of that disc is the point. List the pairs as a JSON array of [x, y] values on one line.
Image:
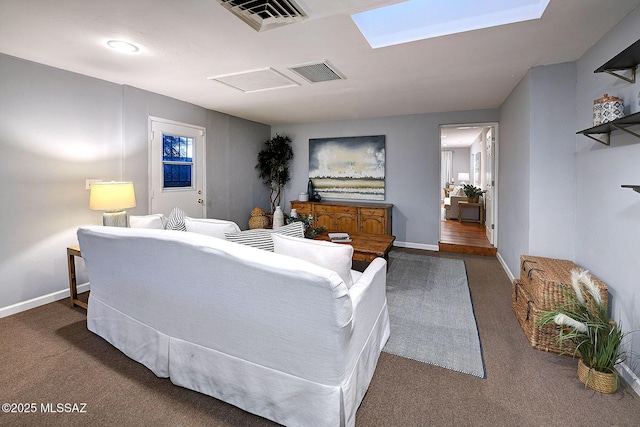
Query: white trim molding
[[37, 302], [629, 377], [416, 246], [505, 267]]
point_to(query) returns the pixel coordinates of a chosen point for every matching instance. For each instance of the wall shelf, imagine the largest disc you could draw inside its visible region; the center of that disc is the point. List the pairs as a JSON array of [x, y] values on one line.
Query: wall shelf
[[635, 188], [627, 60], [606, 128]]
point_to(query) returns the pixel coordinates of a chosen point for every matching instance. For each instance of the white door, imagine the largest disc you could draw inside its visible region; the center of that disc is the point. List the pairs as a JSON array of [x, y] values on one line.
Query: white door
[[177, 168], [490, 185]]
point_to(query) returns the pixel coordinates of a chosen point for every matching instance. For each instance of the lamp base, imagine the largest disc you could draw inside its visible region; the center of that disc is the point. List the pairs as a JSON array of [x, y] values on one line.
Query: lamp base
[[114, 218]]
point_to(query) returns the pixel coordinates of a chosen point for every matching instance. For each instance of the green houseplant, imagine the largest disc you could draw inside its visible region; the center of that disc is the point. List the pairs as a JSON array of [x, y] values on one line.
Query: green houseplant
[[310, 232], [273, 166], [584, 319], [473, 193]]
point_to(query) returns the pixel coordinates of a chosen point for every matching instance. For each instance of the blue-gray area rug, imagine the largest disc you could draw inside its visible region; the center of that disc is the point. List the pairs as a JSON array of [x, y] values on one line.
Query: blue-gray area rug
[[431, 313]]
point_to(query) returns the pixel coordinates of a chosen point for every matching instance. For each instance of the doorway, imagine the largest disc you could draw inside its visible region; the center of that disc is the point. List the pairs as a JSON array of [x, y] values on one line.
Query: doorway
[[177, 168], [469, 157]]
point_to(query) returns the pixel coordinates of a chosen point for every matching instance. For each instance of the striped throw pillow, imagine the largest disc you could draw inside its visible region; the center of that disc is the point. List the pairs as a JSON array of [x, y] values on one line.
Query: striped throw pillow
[[261, 238], [176, 220]]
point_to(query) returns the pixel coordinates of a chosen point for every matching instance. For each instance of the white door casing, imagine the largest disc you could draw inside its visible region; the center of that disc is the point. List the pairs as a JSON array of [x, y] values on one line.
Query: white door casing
[[189, 194], [490, 185]]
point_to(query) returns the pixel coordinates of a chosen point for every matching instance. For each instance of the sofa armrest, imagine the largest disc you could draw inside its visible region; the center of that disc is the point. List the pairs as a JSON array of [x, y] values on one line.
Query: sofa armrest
[[368, 297]]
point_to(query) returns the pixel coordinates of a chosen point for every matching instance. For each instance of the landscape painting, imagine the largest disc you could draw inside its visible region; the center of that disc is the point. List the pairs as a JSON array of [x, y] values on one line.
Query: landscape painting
[[348, 167]]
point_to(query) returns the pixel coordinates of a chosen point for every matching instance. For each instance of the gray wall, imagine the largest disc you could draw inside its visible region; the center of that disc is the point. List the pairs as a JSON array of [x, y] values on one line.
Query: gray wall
[[607, 238], [560, 193], [537, 194], [59, 128], [552, 190], [412, 165], [513, 174], [461, 163]]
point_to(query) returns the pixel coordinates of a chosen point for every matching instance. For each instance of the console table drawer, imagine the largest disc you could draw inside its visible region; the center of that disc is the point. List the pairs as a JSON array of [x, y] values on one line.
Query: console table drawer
[[373, 212]]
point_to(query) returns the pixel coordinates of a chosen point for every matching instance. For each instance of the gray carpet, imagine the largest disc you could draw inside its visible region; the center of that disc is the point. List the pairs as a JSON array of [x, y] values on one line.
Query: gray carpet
[[431, 313]]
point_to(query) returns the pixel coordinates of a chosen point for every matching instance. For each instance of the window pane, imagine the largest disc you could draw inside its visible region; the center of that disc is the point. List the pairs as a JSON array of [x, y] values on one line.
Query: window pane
[[177, 148], [177, 176]]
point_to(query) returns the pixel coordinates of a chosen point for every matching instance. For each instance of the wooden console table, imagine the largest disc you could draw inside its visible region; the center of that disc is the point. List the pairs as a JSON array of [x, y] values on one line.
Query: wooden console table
[[462, 205], [72, 252], [348, 217]]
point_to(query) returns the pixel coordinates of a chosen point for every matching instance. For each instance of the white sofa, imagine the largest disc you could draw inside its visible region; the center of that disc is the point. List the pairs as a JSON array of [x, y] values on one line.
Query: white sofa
[[451, 209], [274, 335]]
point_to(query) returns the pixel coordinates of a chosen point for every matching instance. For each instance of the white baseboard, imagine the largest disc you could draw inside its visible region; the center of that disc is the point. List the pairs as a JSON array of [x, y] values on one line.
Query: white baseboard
[[411, 245], [505, 267], [629, 376], [37, 302]]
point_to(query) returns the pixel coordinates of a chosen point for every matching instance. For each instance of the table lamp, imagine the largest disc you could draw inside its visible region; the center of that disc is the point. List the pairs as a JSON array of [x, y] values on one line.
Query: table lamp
[[463, 177], [113, 198]]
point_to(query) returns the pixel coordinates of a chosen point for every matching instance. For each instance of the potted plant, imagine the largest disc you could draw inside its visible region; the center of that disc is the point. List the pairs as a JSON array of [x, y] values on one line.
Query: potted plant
[[273, 165], [473, 193], [584, 319]]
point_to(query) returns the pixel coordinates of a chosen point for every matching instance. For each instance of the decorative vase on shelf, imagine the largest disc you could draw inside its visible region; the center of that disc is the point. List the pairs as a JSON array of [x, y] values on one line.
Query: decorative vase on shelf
[[278, 217]]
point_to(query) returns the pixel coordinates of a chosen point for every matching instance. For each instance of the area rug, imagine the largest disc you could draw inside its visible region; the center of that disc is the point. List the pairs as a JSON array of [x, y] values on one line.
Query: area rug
[[431, 313]]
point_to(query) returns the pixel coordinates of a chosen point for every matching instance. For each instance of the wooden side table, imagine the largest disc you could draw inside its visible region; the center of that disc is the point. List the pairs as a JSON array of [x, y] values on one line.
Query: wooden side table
[[72, 252], [462, 205]]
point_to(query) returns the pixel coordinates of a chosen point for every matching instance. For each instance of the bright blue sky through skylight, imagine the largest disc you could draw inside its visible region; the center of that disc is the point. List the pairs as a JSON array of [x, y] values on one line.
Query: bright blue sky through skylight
[[422, 19]]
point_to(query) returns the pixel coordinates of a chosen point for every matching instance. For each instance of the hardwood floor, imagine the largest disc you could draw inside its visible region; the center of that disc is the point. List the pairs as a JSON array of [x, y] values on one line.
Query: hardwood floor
[[464, 237]]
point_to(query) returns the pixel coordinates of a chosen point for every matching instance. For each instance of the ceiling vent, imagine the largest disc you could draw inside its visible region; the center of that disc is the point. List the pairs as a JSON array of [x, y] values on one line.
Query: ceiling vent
[[265, 14], [318, 72], [256, 80]]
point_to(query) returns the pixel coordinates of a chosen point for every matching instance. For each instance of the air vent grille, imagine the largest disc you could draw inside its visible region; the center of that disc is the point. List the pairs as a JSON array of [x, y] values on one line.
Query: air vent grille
[[318, 72], [265, 14]]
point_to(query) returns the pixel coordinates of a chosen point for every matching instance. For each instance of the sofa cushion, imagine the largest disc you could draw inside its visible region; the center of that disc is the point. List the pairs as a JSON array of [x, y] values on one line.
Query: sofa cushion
[[334, 256], [147, 221], [458, 190], [211, 227], [176, 220], [261, 237]]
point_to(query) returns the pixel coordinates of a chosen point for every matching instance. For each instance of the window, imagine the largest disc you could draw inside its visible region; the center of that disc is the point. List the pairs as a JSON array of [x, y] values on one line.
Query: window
[[177, 161]]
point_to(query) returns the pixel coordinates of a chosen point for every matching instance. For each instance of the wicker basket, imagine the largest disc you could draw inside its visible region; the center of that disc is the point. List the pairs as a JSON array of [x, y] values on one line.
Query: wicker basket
[[258, 222], [545, 279], [599, 381], [543, 338]]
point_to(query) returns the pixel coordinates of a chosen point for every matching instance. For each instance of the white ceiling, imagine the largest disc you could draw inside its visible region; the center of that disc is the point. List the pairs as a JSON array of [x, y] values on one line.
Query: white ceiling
[[184, 42], [462, 135]]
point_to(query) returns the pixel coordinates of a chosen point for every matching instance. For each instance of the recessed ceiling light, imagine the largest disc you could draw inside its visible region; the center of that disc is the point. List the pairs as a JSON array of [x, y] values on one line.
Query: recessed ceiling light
[[421, 19], [122, 46]]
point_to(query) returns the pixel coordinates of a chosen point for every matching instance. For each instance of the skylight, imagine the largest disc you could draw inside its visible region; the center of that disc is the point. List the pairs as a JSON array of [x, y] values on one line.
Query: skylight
[[422, 19]]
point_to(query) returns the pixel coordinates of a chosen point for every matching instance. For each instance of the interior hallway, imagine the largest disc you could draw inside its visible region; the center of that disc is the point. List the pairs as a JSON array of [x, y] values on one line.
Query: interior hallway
[[465, 237]]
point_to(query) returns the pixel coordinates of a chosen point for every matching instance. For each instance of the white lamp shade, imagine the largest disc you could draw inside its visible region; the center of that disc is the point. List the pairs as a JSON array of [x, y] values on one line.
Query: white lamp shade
[[463, 176], [111, 196]]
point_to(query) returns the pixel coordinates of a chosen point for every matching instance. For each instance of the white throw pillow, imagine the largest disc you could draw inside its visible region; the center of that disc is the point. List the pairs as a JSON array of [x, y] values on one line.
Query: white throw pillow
[[147, 221], [458, 190], [334, 256], [211, 227]]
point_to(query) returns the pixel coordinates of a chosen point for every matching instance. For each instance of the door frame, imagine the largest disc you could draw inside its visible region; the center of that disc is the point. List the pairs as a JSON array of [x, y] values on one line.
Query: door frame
[[496, 163], [203, 129]]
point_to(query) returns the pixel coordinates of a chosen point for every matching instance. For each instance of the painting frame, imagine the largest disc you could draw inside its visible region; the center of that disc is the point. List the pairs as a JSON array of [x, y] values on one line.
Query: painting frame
[[349, 167]]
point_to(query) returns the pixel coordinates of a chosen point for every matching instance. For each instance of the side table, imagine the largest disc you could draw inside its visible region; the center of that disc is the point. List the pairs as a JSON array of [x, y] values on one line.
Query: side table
[[72, 252], [462, 205]]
